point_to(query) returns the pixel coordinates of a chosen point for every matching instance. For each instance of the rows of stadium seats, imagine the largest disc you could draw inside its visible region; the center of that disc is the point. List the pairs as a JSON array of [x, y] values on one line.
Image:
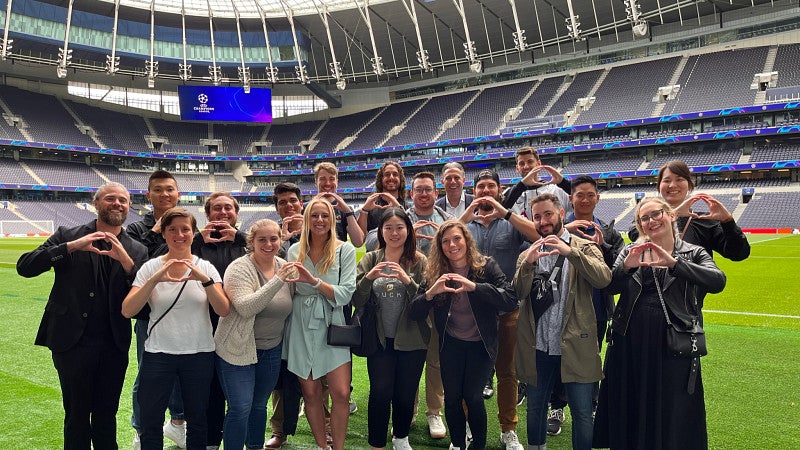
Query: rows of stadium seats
[[708, 81], [771, 210]]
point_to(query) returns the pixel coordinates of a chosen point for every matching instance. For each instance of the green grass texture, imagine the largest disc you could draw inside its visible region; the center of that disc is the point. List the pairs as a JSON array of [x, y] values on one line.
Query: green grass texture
[[750, 374]]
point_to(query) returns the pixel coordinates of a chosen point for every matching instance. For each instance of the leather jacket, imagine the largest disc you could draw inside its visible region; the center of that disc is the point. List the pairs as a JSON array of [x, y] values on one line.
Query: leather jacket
[[684, 287]]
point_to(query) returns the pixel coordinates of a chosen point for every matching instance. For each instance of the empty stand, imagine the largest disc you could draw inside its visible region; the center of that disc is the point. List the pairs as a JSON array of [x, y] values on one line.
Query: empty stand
[[391, 116], [427, 122], [58, 173], [290, 135], [236, 139], [535, 104], [775, 153], [181, 133], [338, 128], [116, 130], [581, 86], [772, 210], [13, 173], [725, 154], [786, 63], [485, 114]]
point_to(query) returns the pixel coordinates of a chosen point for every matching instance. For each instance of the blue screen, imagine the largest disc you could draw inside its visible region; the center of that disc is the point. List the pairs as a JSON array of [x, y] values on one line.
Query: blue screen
[[225, 104]]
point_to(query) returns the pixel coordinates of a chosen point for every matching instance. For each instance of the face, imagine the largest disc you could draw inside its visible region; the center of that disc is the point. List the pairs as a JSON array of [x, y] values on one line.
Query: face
[[288, 204], [424, 193], [223, 210], [179, 233], [394, 232], [547, 218], [654, 221], [673, 188], [454, 246], [266, 242], [453, 181], [163, 194], [487, 188], [391, 179], [526, 163], [326, 181], [112, 205], [584, 199], [320, 220]]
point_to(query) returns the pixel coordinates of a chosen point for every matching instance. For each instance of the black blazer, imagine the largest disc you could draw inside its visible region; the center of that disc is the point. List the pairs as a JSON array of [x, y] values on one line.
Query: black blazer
[[441, 202], [77, 283]]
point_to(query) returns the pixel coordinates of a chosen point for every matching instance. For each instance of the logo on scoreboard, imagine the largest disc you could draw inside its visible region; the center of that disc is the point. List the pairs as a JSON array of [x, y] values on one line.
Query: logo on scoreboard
[[203, 107]]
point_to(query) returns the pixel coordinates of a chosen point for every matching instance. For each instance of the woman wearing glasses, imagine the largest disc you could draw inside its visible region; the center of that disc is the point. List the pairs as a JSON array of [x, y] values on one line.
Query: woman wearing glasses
[[651, 398]]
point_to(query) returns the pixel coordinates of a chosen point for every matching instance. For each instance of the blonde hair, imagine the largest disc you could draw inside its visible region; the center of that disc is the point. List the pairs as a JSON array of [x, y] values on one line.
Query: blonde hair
[[329, 249], [667, 210], [257, 226], [439, 264]]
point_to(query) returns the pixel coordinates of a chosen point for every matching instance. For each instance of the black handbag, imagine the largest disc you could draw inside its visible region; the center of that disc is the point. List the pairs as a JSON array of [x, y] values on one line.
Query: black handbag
[[367, 317], [689, 342], [544, 287], [344, 335]]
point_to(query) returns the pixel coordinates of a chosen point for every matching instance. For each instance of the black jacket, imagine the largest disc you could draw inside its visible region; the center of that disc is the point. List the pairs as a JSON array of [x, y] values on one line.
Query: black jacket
[[78, 283], [493, 294], [684, 288], [141, 231], [726, 238]]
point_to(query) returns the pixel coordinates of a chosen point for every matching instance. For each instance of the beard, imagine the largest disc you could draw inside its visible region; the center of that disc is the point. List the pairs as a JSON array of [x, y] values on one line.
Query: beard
[[113, 218], [557, 227]]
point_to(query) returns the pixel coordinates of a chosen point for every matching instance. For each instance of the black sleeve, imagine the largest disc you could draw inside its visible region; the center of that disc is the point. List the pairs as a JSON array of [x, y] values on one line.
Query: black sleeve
[[513, 194]]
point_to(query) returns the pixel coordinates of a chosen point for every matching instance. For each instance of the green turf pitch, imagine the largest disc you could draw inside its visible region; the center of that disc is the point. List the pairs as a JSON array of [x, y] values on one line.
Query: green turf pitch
[[752, 388]]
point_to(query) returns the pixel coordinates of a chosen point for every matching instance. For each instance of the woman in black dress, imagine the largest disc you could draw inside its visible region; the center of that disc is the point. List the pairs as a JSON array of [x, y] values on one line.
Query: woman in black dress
[[650, 398]]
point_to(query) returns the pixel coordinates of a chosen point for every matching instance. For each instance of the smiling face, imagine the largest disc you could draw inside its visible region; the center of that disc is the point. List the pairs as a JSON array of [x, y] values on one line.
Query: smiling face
[[112, 205], [179, 233], [547, 219], [584, 199], [222, 209], [391, 178], [288, 204], [266, 242], [394, 233], [423, 192], [526, 162], [326, 181], [673, 188], [163, 194], [320, 221], [453, 182], [654, 220], [454, 246]]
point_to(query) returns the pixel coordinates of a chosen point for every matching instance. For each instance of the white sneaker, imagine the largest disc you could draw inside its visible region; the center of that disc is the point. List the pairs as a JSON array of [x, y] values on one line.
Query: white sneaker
[[176, 433], [137, 441], [401, 444], [469, 434], [510, 440], [436, 426], [457, 448]]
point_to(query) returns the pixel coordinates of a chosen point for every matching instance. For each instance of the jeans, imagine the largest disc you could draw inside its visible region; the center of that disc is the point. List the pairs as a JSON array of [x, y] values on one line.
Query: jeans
[[579, 398], [175, 398], [393, 381], [285, 403], [247, 389], [465, 368], [157, 374]]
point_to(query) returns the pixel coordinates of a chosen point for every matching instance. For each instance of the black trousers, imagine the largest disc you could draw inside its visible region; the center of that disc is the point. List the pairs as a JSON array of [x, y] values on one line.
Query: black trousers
[[91, 379]]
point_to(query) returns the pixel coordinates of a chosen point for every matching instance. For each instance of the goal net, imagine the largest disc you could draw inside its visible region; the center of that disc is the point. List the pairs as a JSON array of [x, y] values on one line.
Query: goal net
[[22, 228]]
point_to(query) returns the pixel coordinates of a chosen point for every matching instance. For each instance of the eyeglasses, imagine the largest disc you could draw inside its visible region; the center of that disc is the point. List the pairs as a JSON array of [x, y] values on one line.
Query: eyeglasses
[[426, 190], [655, 215]]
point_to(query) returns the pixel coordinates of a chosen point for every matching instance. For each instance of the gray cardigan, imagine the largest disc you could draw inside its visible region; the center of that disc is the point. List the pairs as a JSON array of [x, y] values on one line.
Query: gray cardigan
[[235, 336]]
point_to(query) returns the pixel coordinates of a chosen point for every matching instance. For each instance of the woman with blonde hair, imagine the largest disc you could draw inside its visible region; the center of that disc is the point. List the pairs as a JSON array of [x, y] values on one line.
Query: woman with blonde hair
[[652, 398], [467, 292], [324, 278], [248, 340]]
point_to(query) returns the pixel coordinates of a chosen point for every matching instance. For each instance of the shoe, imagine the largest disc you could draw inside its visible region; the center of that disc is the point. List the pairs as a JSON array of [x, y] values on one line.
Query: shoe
[[275, 442], [401, 444], [510, 440], [353, 407], [176, 433], [488, 391], [137, 441], [452, 447], [469, 435], [302, 410], [522, 391], [436, 426], [212, 447], [554, 421]]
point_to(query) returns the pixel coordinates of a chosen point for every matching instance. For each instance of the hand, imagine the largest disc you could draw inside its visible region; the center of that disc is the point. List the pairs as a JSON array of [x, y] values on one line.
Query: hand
[[338, 202], [302, 275], [537, 250], [422, 224], [287, 224], [388, 269], [370, 204], [285, 272], [578, 227], [716, 210], [157, 227], [218, 231], [460, 283], [87, 244], [532, 177], [648, 254], [497, 211], [163, 274]]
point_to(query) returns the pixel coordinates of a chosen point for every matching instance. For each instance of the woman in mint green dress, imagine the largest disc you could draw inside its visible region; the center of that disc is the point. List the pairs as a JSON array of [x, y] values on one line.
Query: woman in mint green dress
[[324, 282]]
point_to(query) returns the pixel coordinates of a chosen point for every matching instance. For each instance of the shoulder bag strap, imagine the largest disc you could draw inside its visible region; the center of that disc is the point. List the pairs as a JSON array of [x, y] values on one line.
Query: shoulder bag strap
[[168, 309]]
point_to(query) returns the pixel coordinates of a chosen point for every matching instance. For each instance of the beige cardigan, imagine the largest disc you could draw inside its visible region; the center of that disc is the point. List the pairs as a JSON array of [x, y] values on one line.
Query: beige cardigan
[[235, 336]]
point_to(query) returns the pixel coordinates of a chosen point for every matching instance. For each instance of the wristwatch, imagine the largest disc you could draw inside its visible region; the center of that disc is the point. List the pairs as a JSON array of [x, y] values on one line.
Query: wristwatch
[[208, 283]]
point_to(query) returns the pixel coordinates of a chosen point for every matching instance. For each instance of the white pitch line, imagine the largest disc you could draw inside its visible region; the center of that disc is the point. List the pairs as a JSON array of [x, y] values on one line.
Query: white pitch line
[[743, 313]]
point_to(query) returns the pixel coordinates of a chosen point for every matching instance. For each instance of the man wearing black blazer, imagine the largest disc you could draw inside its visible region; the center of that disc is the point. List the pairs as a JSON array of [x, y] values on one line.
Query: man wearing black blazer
[[82, 324], [454, 200]]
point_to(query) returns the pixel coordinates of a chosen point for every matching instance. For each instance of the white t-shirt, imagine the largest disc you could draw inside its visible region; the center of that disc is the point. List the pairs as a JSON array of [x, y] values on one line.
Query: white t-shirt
[[186, 328]]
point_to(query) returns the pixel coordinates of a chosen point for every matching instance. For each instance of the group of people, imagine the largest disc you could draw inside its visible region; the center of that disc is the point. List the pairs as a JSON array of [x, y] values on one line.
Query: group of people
[[226, 317]]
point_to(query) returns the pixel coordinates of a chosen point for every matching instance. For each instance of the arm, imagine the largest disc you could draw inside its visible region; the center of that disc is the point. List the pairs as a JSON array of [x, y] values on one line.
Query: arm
[[730, 242], [619, 274], [702, 271], [51, 253], [495, 289], [612, 245], [420, 306], [587, 259], [340, 294], [243, 288], [354, 230], [523, 278], [363, 284], [513, 194]]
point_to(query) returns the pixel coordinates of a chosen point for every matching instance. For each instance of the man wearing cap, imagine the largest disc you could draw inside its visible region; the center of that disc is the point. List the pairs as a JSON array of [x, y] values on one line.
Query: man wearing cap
[[500, 233]]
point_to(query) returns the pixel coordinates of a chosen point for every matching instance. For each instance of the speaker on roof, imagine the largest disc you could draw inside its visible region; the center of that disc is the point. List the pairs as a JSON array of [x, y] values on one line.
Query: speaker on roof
[[747, 194]]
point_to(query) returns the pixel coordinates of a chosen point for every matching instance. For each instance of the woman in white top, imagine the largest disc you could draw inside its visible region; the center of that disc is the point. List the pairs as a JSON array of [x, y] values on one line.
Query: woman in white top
[[249, 340], [178, 288]]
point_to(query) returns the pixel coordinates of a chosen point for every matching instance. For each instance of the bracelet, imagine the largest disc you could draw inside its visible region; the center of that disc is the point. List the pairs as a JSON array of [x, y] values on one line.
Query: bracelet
[[349, 214], [317, 284], [207, 283], [508, 214]]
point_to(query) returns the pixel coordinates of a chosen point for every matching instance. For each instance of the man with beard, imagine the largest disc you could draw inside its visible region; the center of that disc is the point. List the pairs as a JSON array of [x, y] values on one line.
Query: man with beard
[[500, 233], [564, 338], [83, 325], [219, 243]]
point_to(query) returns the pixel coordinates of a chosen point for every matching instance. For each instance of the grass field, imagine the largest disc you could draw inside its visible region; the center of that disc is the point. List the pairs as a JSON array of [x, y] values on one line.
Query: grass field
[[750, 375]]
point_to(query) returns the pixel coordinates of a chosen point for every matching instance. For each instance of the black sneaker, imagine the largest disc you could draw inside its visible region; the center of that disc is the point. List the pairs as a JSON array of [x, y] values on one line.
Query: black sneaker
[[522, 391], [554, 421], [488, 391]]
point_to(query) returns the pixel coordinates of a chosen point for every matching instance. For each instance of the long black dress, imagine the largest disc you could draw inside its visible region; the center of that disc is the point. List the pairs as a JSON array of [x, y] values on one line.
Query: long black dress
[[644, 402]]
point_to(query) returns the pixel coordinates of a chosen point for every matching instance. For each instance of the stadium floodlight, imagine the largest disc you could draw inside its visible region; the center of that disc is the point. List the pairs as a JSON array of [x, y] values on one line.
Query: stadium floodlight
[[112, 64], [475, 64], [272, 74], [377, 65], [574, 27], [152, 72], [341, 84], [634, 12], [5, 48], [423, 61], [185, 72], [336, 71], [300, 72], [520, 41], [216, 74], [244, 77]]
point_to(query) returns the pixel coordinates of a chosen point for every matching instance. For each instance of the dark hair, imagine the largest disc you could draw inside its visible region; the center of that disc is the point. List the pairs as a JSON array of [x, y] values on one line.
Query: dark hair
[[284, 187], [581, 180], [160, 175], [409, 255], [425, 174], [173, 213], [401, 189], [680, 169], [526, 151], [547, 197], [215, 196]]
